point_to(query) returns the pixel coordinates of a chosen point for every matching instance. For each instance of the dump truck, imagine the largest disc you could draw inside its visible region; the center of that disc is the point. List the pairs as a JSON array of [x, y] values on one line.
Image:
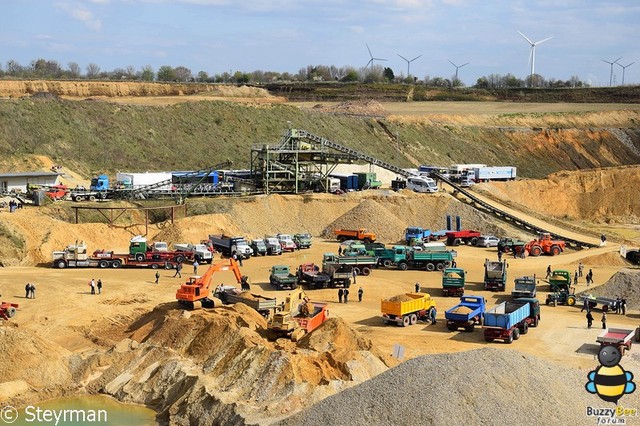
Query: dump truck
[[415, 233], [560, 280], [453, 282], [266, 306], [340, 274], [407, 258], [495, 275], [466, 236], [545, 245], [355, 234], [524, 287], [199, 252], [228, 245], [620, 338], [362, 265], [259, 247], [406, 309], [298, 317], [8, 310], [359, 249], [510, 319], [282, 278], [466, 314], [303, 241], [310, 275]]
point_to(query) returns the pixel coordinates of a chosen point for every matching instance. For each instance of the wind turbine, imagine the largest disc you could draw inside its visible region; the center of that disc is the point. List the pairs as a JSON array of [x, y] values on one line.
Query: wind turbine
[[372, 58], [611, 73], [532, 55], [408, 61], [624, 67], [458, 66]]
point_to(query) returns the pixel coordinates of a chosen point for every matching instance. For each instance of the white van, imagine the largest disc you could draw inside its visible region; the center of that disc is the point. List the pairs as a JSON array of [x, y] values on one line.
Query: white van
[[422, 184]]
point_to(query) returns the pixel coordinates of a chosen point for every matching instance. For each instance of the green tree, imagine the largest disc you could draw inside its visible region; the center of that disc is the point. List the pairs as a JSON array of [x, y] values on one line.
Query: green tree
[[203, 77], [147, 74], [166, 73], [183, 74]]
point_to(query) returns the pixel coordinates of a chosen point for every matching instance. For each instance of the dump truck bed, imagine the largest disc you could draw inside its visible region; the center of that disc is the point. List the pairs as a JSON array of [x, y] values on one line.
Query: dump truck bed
[[615, 336], [507, 314], [405, 303]]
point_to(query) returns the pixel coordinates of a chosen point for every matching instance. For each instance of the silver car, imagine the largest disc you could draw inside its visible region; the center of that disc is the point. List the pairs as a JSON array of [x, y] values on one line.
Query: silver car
[[487, 241]]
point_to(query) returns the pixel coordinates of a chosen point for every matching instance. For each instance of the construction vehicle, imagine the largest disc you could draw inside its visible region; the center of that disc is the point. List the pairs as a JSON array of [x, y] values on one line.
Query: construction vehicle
[[199, 252], [8, 310], [524, 287], [545, 245], [406, 309], [510, 319], [507, 245], [229, 245], [453, 282], [617, 337], [265, 306], [140, 250], [286, 242], [466, 314], [455, 238], [560, 280], [340, 274], [407, 258], [282, 278], [355, 234], [259, 247], [358, 249], [495, 275], [303, 241], [298, 317], [76, 256], [57, 192], [362, 265], [196, 291], [417, 234], [311, 275], [98, 190], [561, 297], [273, 245]]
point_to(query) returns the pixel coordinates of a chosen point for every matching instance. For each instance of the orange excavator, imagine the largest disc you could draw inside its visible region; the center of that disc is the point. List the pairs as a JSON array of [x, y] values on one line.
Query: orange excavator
[[196, 292]]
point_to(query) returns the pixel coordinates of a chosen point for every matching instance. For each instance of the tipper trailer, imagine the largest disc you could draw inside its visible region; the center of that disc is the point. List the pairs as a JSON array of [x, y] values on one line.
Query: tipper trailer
[[508, 320]]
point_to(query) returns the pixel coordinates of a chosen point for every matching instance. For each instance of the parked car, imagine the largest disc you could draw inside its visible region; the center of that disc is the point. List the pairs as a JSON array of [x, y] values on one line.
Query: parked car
[[487, 241]]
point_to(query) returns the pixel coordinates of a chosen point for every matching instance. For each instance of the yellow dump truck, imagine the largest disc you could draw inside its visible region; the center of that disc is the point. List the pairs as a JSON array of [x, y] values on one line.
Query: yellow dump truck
[[406, 309]]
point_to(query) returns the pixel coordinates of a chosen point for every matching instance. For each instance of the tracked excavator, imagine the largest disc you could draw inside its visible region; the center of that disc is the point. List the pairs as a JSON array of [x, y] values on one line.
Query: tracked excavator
[[298, 317], [196, 292]]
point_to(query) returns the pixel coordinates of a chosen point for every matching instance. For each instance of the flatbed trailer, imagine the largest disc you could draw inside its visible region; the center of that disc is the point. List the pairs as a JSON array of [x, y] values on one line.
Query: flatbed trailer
[[619, 337], [606, 303]]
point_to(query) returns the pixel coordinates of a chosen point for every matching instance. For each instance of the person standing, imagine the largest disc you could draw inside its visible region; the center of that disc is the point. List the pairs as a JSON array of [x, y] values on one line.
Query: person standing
[[157, 276], [548, 272], [27, 288], [603, 240], [580, 269], [417, 287], [499, 255], [178, 269], [354, 274], [340, 251], [575, 278], [340, 293], [33, 291], [623, 306], [432, 315], [346, 295], [585, 305], [195, 267], [589, 319], [92, 284], [99, 286], [590, 277], [604, 320], [360, 293]]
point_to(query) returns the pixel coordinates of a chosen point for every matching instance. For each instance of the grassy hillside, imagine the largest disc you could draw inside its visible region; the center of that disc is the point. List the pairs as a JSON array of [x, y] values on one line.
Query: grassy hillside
[[96, 136]]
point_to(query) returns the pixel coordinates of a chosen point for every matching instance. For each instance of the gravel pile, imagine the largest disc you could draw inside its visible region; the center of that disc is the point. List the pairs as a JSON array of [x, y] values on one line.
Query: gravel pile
[[480, 387], [625, 283]]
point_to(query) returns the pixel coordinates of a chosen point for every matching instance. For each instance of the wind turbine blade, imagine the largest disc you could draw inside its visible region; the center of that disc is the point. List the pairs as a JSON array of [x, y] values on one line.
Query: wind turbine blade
[[617, 59], [467, 63], [402, 57], [368, 63], [380, 59], [419, 56], [630, 64], [542, 41], [368, 50], [610, 63], [525, 37], [452, 64]]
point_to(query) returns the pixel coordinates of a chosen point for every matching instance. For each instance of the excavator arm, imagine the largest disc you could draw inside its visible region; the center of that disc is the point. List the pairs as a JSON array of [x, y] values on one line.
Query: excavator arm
[[198, 288]]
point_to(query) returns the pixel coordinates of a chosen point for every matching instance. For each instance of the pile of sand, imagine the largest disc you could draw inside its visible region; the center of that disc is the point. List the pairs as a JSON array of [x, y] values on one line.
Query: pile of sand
[[373, 216], [606, 259], [623, 284], [400, 298], [484, 386]]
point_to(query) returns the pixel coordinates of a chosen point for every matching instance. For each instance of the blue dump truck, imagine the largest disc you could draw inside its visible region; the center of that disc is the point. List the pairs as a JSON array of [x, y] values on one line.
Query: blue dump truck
[[510, 319], [466, 314], [415, 233]]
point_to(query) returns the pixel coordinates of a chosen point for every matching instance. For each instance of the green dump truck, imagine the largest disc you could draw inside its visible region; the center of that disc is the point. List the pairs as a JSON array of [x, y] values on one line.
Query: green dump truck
[[453, 282], [282, 278], [404, 258]]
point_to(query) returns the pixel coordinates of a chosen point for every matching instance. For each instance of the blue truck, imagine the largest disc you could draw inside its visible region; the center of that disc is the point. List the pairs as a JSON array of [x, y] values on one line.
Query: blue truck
[[510, 319], [466, 314], [415, 233]]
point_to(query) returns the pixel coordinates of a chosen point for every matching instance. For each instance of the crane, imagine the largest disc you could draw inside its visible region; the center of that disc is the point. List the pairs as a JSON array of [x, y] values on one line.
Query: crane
[[195, 292]]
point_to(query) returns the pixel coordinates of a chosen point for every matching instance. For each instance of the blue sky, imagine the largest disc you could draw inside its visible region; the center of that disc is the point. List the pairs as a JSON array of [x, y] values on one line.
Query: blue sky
[[285, 35]]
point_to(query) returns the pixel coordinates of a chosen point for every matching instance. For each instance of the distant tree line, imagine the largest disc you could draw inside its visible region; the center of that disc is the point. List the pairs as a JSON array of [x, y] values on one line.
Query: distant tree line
[[50, 69]]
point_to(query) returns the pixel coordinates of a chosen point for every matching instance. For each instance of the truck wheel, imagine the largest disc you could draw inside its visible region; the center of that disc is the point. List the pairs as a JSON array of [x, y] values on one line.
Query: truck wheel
[[406, 321], [457, 242], [414, 319], [103, 264], [366, 271], [154, 266], [535, 322], [403, 266], [430, 267], [488, 339], [61, 264], [509, 339], [116, 264], [452, 327], [447, 264], [516, 333], [367, 241], [92, 198], [180, 258], [547, 302], [535, 251], [469, 328], [440, 267], [356, 271], [525, 328], [386, 263], [140, 257], [341, 238], [571, 300], [474, 241], [555, 250], [77, 198]]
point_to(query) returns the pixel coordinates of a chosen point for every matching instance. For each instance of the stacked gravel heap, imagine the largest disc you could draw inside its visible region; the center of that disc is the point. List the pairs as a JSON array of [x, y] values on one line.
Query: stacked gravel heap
[[480, 387], [624, 284]]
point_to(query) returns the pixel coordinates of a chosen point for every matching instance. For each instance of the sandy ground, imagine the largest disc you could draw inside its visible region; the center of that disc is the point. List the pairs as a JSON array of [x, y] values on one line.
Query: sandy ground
[[64, 309]]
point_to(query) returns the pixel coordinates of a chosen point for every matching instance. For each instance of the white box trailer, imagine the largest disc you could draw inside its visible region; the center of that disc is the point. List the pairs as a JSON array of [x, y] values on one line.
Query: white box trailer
[[456, 169], [136, 180], [484, 174]]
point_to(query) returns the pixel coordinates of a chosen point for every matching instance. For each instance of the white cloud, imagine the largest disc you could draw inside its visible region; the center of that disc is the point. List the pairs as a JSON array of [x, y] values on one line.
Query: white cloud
[[80, 13]]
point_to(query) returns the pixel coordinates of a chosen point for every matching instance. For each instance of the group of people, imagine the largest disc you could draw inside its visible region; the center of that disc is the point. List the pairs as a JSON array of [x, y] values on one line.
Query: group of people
[[13, 205], [30, 290], [343, 293], [590, 319], [95, 286]]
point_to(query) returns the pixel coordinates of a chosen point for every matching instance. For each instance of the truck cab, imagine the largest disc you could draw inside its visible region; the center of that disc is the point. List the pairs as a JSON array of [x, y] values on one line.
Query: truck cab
[[302, 240], [259, 247], [273, 245], [99, 183], [286, 242], [534, 309]]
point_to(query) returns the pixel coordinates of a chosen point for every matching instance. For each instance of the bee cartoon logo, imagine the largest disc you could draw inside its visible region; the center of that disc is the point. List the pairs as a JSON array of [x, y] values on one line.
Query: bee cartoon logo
[[610, 381]]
